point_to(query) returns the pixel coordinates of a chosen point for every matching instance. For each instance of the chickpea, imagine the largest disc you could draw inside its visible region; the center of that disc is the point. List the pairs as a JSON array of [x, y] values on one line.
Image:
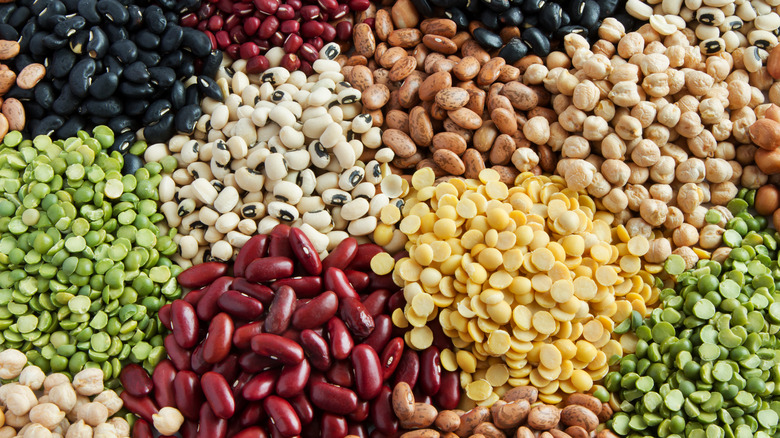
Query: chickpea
[[645, 112], [79, 429], [573, 42], [696, 218], [685, 235], [721, 254], [595, 128], [710, 237], [105, 430], [110, 400], [575, 147], [7, 432], [722, 130], [653, 211], [89, 381], [689, 196], [599, 187], [535, 74], [689, 125], [638, 174], [567, 83], [525, 159], [572, 119], [646, 153], [739, 94], [615, 201], [676, 55], [613, 147], [637, 226], [586, 95], [611, 30], [121, 426], [624, 72], [688, 255], [16, 421], [605, 109], [669, 116], [11, 363], [604, 47], [47, 415], [722, 193], [32, 376], [657, 133], [551, 79], [711, 110], [616, 172], [20, 399], [691, 170], [753, 177], [661, 192], [636, 194], [93, 413], [659, 251], [81, 400], [580, 175], [35, 430], [663, 171], [597, 66], [625, 94], [630, 45], [674, 218], [64, 396], [698, 82]]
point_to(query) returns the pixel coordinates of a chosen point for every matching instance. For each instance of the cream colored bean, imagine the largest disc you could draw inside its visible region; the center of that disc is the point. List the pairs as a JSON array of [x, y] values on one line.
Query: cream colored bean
[[168, 420], [11, 363]]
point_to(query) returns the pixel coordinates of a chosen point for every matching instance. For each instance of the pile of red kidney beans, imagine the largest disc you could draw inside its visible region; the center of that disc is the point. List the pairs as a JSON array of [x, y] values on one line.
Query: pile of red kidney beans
[[286, 345]]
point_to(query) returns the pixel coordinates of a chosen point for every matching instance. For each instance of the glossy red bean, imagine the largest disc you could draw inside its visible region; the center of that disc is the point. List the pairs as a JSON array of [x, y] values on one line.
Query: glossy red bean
[[283, 415], [341, 373], [293, 379], [303, 408], [333, 398], [262, 293], [188, 394], [280, 235], [358, 430], [193, 297], [280, 311], [216, 346], [391, 357], [333, 426], [197, 362], [316, 312], [368, 372], [228, 367], [223, 39], [189, 429], [376, 303], [292, 43], [252, 362], [309, 13], [448, 396], [309, 54], [290, 26], [144, 407], [316, 349], [408, 369], [282, 349], [289, 61], [233, 51], [341, 342], [211, 426], [142, 429], [252, 414], [243, 335], [381, 282], [136, 380], [343, 29], [180, 357], [365, 252], [243, 9], [382, 415], [361, 413], [257, 245], [249, 49], [305, 287], [252, 432], [356, 317], [261, 385], [358, 5], [162, 376], [184, 322], [383, 329], [268, 27], [240, 306], [202, 274], [269, 269], [258, 64], [218, 394], [237, 35], [251, 25], [215, 23], [317, 42], [301, 245], [267, 7], [189, 20], [207, 306], [165, 315], [358, 280], [340, 12], [336, 280], [396, 301], [430, 371]]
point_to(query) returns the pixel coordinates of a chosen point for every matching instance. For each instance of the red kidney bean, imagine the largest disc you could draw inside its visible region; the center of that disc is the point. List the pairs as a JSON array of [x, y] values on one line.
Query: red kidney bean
[[408, 368], [261, 385], [142, 429], [448, 396], [358, 430], [193, 297], [251, 362], [301, 245], [262, 293], [356, 317], [341, 342], [252, 432], [162, 376], [358, 280], [383, 330], [281, 310], [341, 373], [315, 312], [218, 394], [180, 357], [368, 372], [257, 245], [165, 315], [216, 346], [391, 357], [305, 287], [333, 426], [293, 379], [207, 306], [136, 380], [144, 407], [365, 252], [189, 429], [361, 413], [333, 398], [211, 426], [188, 394], [303, 408], [430, 371], [239, 383], [343, 254], [396, 301], [240, 306], [382, 415], [381, 281], [253, 413], [228, 367], [198, 363], [280, 235], [337, 281], [269, 268], [202, 274], [242, 336], [283, 415], [184, 323], [316, 349], [280, 348]]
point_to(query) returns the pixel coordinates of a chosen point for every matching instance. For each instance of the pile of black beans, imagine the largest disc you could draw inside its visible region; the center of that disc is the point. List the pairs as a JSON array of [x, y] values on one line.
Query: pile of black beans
[[121, 63], [521, 27]]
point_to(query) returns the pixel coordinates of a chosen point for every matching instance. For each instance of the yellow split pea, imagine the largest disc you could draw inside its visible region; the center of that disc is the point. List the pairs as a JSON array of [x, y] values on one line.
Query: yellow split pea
[[529, 281]]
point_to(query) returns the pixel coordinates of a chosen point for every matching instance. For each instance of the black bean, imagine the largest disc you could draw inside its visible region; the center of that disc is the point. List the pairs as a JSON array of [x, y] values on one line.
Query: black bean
[[150, 59], [61, 63], [122, 142], [155, 20], [104, 85], [574, 9], [6, 10], [69, 26], [113, 10], [514, 50], [456, 15], [590, 14], [37, 47], [111, 107], [136, 72], [22, 60], [52, 14], [19, 17], [97, 46], [532, 6], [187, 66], [182, 6], [81, 77], [168, 4], [136, 17], [628, 21], [191, 95], [59, 83], [511, 17], [115, 33], [131, 90], [565, 19], [136, 107], [535, 39], [132, 164], [44, 95], [160, 131], [71, 127], [121, 124], [608, 8], [489, 19], [472, 7], [66, 102], [187, 118], [531, 21], [423, 7], [47, 125], [145, 39], [171, 38], [211, 63], [7, 32], [209, 88], [575, 28], [125, 51], [174, 17], [88, 10], [113, 65], [196, 42], [34, 111], [21, 94], [54, 42], [487, 39], [162, 76], [71, 5], [172, 60], [177, 95], [78, 41], [497, 5], [155, 112], [550, 16]]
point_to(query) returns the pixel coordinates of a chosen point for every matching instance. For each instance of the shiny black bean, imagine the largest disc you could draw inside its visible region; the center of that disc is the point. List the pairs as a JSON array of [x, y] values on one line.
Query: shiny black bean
[[171, 38], [37, 46], [575, 28], [497, 5], [115, 33], [145, 39], [136, 72], [54, 42], [21, 94], [19, 17], [69, 26], [177, 95], [52, 14], [565, 19], [531, 21], [191, 96], [162, 77], [423, 7], [136, 107], [132, 163], [511, 17], [81, 77], [88, 10], [71, 5], [574, 8], [514, 50], [590, 14], [532, 6], [7, 32], [111, 107], [187, 67], [122, 142], [539, 43], [61, 63], [22, 60], [6, 10], [156, 111], [183, 6], [132, 90], [187, 118], [488, 39], [78, 41], [71, 127], [121, 124], [168, 4], [104, 86], [155, 20], [97, 46], [149, 58], [174, 17], [113, 10], [125, 51], [608, 8], [209, 88], [550, 17], [456, 15], [160, 131], [29, 29], [172, 60], [66, 102], [211, 63], [44, 95], [136, 17], [46, 126], [196, 42], [489, 18]]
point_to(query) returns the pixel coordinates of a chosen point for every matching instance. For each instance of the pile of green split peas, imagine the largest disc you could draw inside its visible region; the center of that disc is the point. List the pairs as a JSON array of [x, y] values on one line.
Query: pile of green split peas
[[83, 267], [707, 363]]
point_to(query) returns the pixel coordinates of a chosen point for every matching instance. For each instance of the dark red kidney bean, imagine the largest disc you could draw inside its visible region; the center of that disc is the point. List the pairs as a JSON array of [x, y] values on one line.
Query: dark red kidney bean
[[198, 363], [252, 362], [283, 415], [341, 373], [305, 287], [358, 280], [254, 248], [333, 426], [341, 342], [316, 312], [142, 429], [303, 249], [269, 269], [316, 349], [279, 246], [211, 426], [382, 415], [184, 323], [376, 302], [396, 301], [228, 367], [240, 306], [189, 429], [421, 397], [383, 330], [430, 371], [261, 385], [262, 293], [207, 306], [253, 413], [280, 348], [239, 383], [165, 316], [293, 335], [136, 380], [252, 432], [361, 413], [391, 357], [202, 274], [243, 335], [293, 379], [364, 253], [218, 394], [337, 281], [368, 372], [333, 398], [163, 376], [188, 394], [342, 255], [216, 346], [303, 408], [355, 316], [381, 281], [448, 396], [180, 357], [440, 339], [144, 407], [408, 369], [280, 311], [193, 297], [358, 430]]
